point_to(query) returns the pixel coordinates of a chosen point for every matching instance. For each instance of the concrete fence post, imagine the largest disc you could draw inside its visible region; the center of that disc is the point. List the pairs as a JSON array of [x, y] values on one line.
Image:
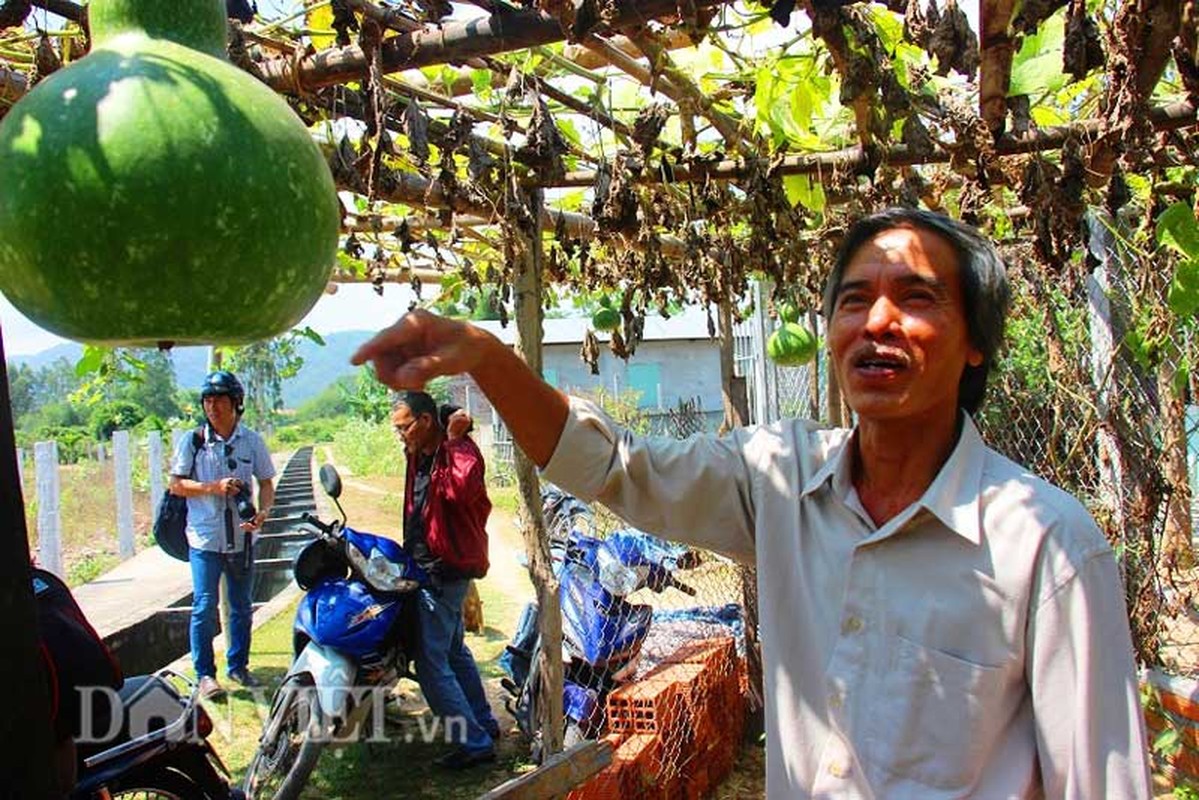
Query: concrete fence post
[[154, 458], [21, 468], [49, 522], [123, 469]]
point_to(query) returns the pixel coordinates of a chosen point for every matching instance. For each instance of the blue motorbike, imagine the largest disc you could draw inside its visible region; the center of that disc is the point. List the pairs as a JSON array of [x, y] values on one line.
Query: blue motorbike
[[353, 639], [602, 632]]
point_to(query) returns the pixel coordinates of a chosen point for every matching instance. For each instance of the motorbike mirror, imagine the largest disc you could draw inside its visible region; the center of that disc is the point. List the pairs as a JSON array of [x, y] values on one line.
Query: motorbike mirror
[[330, 480]]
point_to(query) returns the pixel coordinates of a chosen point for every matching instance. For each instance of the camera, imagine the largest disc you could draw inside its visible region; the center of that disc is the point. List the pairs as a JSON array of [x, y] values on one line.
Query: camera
[[244, 502]]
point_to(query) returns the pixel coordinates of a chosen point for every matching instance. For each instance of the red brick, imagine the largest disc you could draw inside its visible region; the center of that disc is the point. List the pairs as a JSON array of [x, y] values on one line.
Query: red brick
[[1183, 706]]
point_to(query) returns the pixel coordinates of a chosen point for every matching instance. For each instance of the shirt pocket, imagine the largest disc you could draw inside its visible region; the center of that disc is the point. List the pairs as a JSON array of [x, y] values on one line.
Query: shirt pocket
[[936, 716]]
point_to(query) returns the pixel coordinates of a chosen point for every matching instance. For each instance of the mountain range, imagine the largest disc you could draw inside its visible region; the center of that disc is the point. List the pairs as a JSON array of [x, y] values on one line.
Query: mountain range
[[322, 364]]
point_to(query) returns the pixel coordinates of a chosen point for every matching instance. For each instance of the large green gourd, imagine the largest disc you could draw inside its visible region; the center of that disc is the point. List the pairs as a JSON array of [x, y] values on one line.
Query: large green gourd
[[152, 192], [791, 345]]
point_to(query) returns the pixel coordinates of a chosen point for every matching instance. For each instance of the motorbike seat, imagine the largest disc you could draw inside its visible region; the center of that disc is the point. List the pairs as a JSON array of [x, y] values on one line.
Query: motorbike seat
[[144, 704]]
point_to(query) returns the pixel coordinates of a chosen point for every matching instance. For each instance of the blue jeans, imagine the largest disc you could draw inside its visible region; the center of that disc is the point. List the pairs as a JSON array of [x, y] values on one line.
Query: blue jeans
[[207, 568], [446, 669]]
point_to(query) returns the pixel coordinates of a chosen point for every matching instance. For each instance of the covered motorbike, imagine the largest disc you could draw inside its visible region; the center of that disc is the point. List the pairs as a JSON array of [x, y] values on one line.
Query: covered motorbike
[[602, 632]]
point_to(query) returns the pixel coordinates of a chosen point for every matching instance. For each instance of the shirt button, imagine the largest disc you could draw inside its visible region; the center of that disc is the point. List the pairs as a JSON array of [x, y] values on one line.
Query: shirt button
[[838, 769], [852, 625]]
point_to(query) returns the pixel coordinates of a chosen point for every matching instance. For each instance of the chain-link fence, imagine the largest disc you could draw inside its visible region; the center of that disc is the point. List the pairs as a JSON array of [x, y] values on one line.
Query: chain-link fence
[[653, 642]]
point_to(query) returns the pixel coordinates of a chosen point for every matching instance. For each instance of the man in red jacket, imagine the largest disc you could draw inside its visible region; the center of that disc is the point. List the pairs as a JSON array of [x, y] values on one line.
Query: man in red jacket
[[445, 517]]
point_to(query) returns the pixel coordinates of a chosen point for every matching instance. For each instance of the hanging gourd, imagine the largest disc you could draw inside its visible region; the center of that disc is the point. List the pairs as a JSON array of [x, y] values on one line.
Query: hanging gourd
[[153, 193], [788, 311], [791, 345], [605, 318]]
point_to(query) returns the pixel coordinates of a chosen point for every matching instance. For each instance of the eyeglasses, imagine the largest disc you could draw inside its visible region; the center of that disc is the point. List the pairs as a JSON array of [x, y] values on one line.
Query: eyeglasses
[[230, 461], [402, 429]]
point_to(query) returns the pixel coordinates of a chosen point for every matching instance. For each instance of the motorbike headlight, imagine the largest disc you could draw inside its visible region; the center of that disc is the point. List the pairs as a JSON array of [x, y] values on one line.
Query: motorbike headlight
[[379, 571], [615, 576]]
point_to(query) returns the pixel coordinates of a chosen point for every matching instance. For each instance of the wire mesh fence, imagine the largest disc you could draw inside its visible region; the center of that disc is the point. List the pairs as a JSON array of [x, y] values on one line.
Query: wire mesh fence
[[653, 643]]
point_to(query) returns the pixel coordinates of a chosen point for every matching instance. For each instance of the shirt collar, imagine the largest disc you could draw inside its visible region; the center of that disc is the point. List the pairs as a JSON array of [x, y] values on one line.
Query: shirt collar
[[952, 497]]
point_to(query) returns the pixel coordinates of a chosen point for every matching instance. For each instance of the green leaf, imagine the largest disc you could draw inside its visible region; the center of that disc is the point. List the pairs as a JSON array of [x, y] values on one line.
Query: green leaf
[[308, 333], [1167, 742], [802, 103], [91, 360], [1183, 295], [1048, 117], [481, 81], [1037, 68], [887, 25], [1176, 229], [568, 130], [801, 189]]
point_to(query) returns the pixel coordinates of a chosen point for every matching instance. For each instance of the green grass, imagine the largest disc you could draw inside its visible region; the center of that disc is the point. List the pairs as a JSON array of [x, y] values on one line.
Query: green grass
[[403, 765]]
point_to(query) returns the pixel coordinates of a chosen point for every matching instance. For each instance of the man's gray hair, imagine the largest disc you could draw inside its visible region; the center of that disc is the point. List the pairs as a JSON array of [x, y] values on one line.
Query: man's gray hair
[[985, 292]]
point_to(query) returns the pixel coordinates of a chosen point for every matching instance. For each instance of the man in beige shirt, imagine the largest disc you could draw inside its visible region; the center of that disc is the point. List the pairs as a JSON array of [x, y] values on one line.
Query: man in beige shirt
[[935, 621]]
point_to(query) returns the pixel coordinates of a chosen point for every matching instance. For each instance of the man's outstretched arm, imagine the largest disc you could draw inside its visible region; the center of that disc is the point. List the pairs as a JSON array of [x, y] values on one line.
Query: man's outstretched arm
[[422, 346]]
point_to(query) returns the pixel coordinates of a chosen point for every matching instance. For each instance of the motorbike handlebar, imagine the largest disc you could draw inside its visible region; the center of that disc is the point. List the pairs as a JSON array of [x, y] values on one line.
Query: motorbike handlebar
[[315, 521]]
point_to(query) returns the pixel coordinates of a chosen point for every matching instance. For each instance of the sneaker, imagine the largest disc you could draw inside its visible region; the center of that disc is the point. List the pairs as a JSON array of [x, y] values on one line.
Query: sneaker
[[462, 758], [245, 678], [210, 689]]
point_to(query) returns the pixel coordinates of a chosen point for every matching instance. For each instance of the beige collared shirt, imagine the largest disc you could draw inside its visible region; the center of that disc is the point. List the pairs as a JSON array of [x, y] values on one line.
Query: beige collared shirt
[[976, 645]]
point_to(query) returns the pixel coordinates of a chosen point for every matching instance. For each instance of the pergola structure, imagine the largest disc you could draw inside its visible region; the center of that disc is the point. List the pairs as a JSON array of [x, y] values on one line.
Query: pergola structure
[[670, 150]]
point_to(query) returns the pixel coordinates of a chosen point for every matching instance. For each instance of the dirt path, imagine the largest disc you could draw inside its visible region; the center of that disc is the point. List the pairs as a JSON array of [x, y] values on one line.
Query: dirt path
[[505, 543]]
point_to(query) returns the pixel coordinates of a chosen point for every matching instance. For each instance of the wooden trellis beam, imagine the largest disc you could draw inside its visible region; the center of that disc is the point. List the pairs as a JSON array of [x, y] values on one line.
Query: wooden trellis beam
[[575, 104], [1177, 115], [725, 125], [395, 275], [672, 39], [393, 19], [690, 94], [370, 223], [451, 42], [996, 50], [413, 190], [63, 8]]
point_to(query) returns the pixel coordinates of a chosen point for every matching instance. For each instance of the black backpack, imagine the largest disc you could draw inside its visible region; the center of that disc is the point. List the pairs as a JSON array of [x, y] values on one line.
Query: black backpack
[[74, 656], [170, 528]]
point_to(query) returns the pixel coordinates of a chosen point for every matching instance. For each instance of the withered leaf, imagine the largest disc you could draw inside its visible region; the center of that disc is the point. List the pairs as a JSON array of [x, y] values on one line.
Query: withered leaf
[[416, 127]]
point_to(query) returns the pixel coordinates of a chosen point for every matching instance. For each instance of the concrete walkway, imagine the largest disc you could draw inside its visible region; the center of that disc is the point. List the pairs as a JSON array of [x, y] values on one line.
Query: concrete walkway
[[134, 590]]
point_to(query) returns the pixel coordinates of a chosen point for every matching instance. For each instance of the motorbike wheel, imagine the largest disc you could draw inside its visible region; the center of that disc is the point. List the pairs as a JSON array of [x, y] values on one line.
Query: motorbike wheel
[[159, 784], [572, 732], [281, 766]]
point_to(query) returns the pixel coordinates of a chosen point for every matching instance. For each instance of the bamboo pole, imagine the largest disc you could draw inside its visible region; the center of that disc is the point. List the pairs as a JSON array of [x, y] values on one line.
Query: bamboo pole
[[690, 94], [995, 62], [672, 39], [414, 190], [63, 8], [1171, 117], [450, 42], [526, 286]]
